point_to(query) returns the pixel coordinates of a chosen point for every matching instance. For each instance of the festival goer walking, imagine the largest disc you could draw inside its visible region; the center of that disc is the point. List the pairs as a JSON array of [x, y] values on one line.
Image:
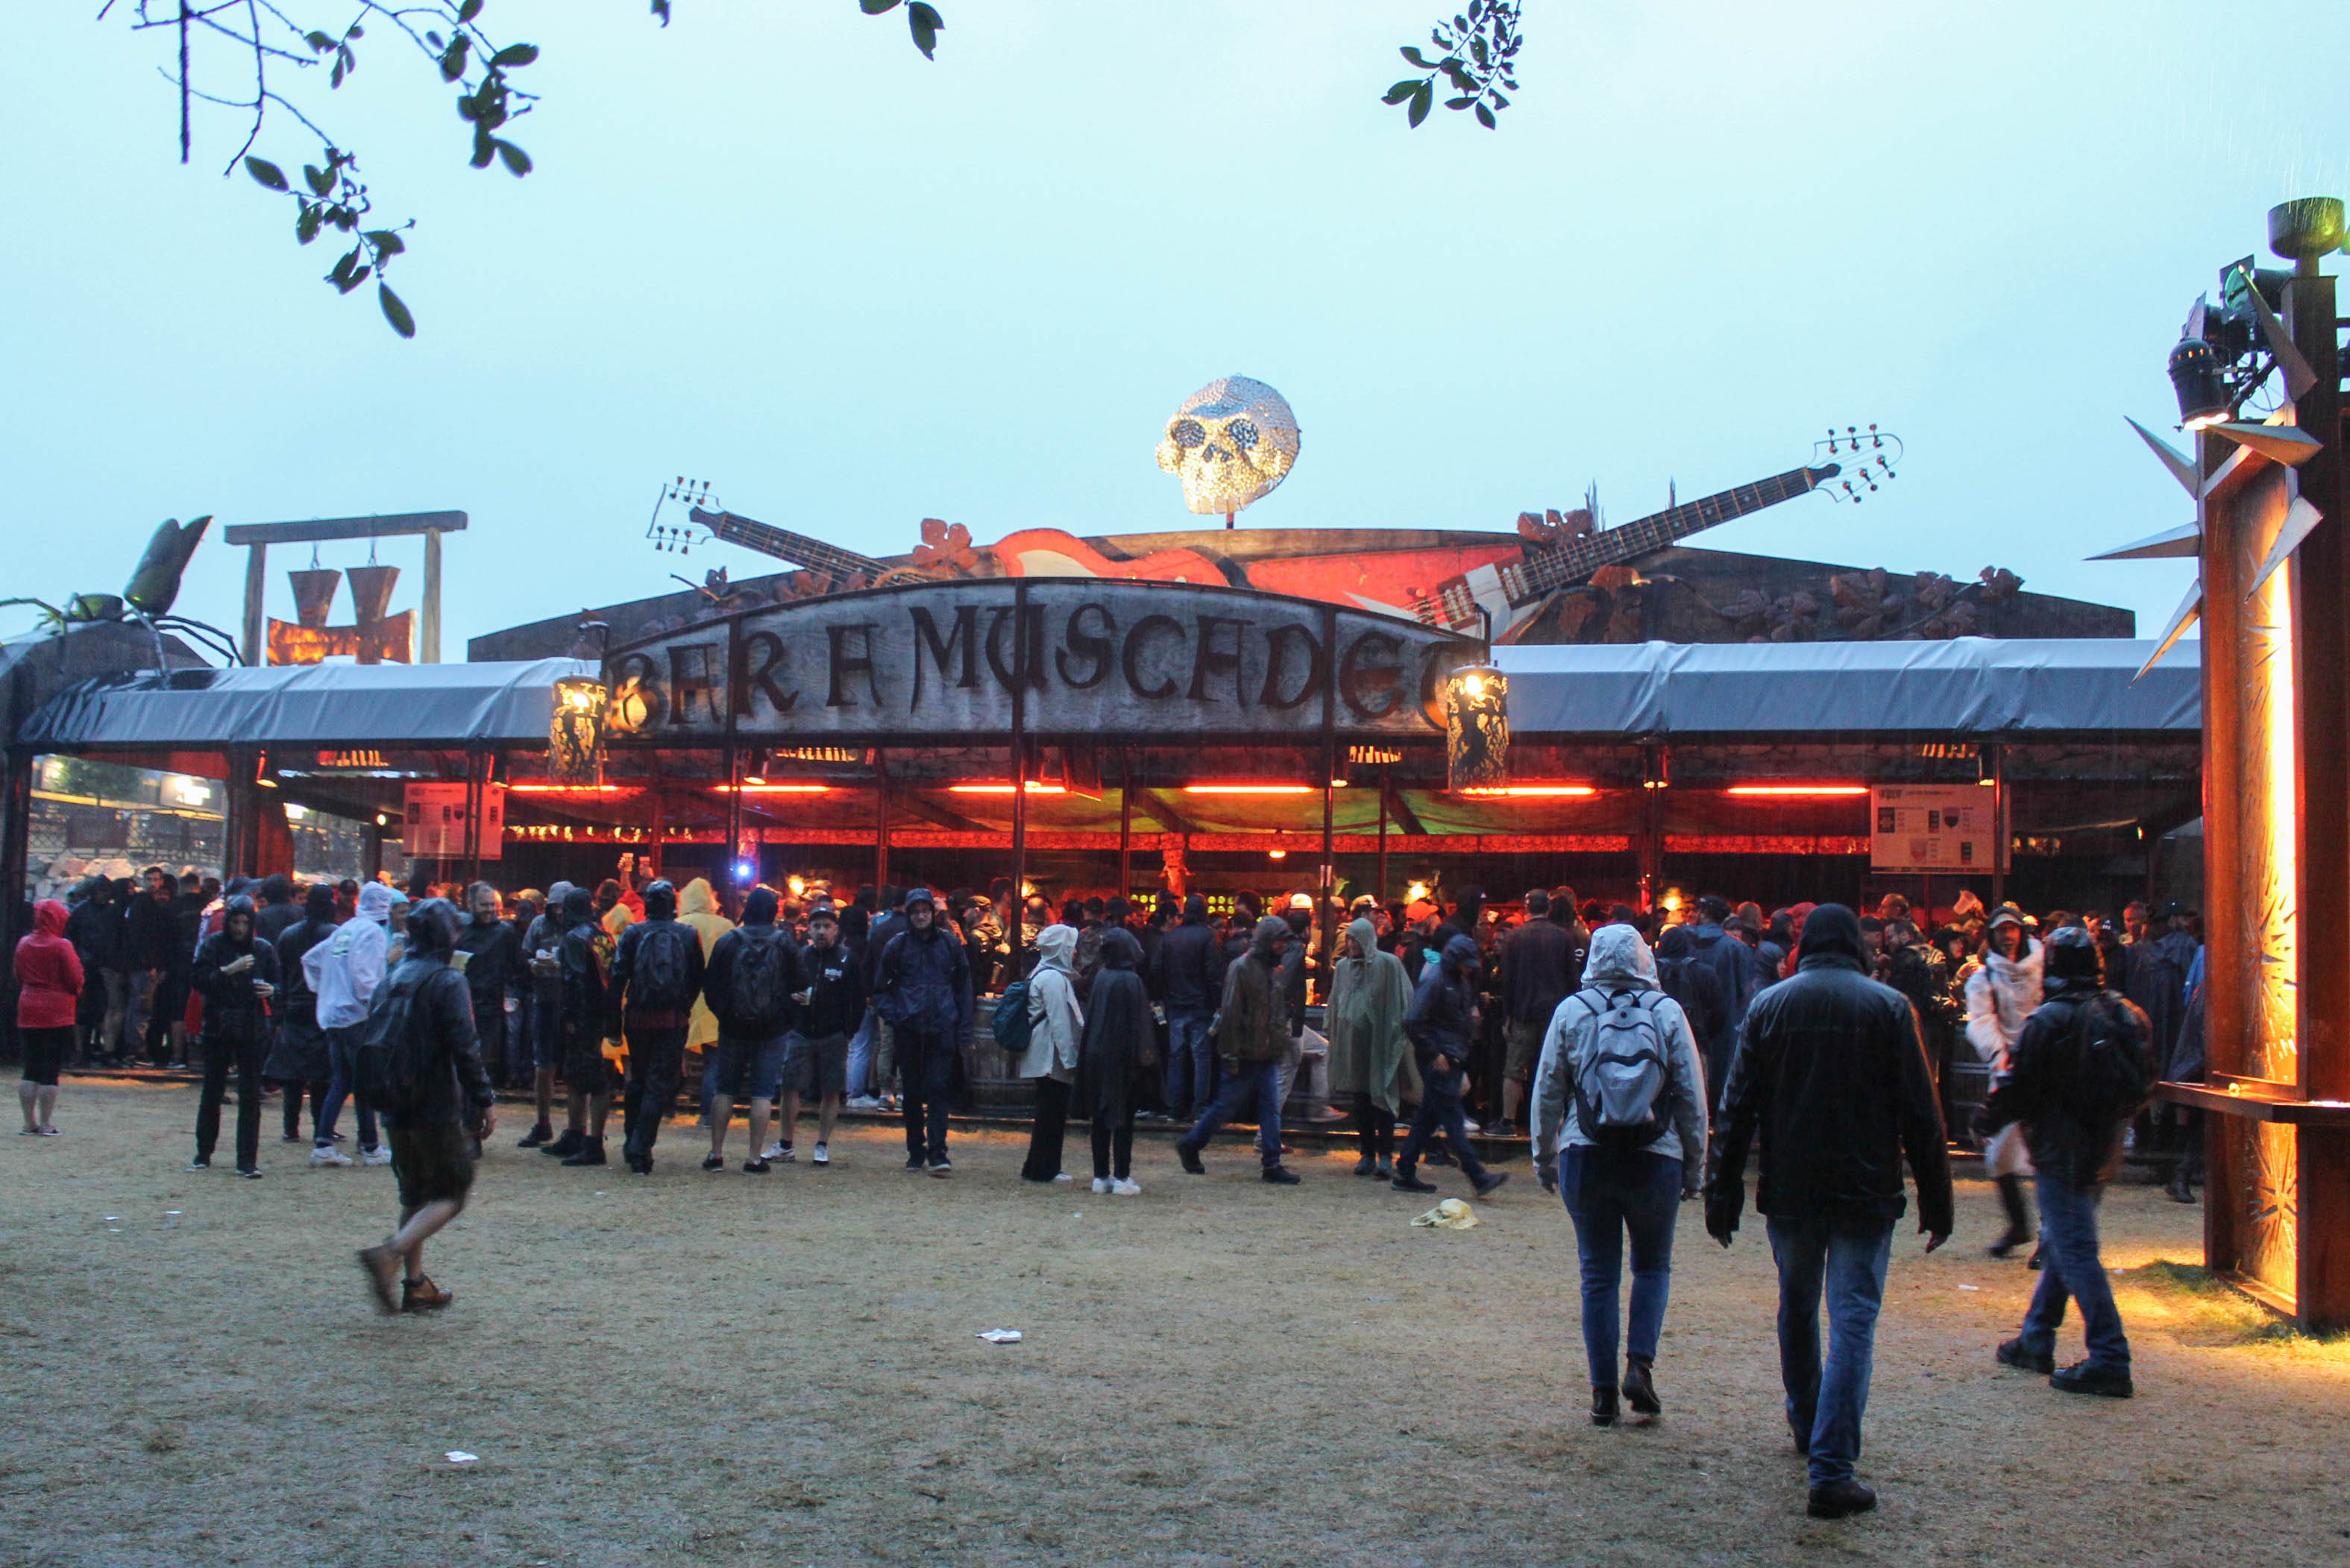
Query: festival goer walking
[[1697, 985], [1619, 1119], [1370, 1058], [1442, 1025], [1191, 981], [236, 972], [49, 980], [2079, 1072], [299, 1060], [1252, 1036], [1119, 1045], [829, 1005], [428, 1015], [1055, 1029], [656, 978], [343, 973], [2000, 996], [922, 991], [1830, 1071], [1538, 970], [754, 971]]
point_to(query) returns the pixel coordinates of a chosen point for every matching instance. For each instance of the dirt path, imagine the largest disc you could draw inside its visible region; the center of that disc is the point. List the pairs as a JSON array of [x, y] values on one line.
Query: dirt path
[[694, 1368]]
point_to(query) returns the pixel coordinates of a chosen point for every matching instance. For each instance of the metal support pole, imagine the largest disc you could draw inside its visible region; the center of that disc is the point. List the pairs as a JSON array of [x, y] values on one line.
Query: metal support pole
[[2005, 828], [1324, 920], [1385, 785], [1019, 773], [1124, 822], [729, 881], [15, 837], [880, 818]]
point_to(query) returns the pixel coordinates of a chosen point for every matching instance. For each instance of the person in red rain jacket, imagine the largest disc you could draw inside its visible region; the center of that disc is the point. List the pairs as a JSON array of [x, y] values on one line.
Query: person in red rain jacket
[[48, 982]]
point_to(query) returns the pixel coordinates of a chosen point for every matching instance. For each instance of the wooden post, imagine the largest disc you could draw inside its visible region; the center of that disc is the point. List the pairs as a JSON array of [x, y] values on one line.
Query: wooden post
[[256, 582], [1019, 773], [1385, 785], [1124, 822], [1324, 919], [730, 892], [428, 620], [2002, 826], [880, 818]]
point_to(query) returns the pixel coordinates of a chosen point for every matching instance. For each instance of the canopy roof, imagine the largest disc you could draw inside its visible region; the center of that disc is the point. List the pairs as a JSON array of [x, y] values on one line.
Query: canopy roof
[[1967, 686], [418, 705]]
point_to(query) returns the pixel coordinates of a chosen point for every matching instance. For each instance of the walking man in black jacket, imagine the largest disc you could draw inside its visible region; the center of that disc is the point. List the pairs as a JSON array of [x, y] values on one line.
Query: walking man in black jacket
[[236, 972], [828, 1004], [1191, 981], [432, 1140], [923, 991], [1830, 1069], [1442, 1027], [2075, 1077], [656, 977], [1542, 962]]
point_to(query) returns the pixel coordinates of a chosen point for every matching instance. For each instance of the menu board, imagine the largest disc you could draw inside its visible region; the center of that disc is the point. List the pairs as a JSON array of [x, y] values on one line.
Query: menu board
[[1933, 827], [435, 826]]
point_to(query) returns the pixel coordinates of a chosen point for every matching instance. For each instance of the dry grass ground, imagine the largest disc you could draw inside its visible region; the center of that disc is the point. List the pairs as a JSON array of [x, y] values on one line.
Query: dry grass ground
[[699, 1369]]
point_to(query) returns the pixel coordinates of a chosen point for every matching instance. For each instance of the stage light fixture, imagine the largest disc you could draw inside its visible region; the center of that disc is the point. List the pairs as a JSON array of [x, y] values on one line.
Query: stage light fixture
[[2202, 390]]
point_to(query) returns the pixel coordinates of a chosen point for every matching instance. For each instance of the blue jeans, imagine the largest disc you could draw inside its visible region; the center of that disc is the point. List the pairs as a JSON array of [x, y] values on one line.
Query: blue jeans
[[928, 1062], [342, 1055], [2071, 1269], [1261, 1083], [1608, 1192], [860, 1055], [1190, 1065], [1440, 1111], [1825, 1404]]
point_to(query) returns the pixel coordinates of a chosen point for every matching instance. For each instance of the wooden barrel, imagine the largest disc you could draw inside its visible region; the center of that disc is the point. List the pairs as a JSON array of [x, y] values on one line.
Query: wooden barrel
[[987, 1070]]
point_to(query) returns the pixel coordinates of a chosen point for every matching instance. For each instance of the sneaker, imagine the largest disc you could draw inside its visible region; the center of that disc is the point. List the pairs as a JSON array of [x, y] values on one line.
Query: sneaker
[[1404, 1181], [916, 1165], [2085, 1377], [200, 1163], [290, 1138], [755, 1167], [713, 1162], [1840, 1500], [539, 1135], [2011, 1353], [1125, 1187], [589, 1152], [1365, 1166], [378, 1155], [942, 1167], [783, 1154], [336, 1137], [863, 1103], [249, 1172], [1101, 1184], [1503, 1129], [327, 1154], [1061, 1178], [820, 1158], [1277, 1176], [1190, 1158], [567, 1146], [772, 1151], [421, 1294]]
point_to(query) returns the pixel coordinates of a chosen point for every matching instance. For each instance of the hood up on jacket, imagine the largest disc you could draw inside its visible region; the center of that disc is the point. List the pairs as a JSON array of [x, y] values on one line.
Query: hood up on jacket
[[579, 907], [1266, 940], [433, 928], [697, 899], [49, 919], [1057, 948], [1362, 939], [661, 901], [758, 909], [1832, 934], [2071, 963], [238, 907], [375, 902], [1461, 955], [1677, 942], [1119, 950], [1620, 960]]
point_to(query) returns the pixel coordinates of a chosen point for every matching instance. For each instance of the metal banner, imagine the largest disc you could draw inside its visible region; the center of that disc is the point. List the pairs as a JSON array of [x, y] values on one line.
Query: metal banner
[[435, 824], [1933, 828], [1098, 659]]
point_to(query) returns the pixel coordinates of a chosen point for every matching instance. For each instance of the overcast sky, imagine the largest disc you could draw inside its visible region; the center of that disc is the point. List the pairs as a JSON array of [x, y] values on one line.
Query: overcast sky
[[773, 247]]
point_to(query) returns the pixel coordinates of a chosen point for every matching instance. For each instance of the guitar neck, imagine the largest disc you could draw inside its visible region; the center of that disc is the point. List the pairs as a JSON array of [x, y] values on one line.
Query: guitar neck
[[797, 549], [1561, 566]]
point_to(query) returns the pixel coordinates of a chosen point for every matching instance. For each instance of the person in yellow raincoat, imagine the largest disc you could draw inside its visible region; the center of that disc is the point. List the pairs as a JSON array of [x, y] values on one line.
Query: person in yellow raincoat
[[697, 906]]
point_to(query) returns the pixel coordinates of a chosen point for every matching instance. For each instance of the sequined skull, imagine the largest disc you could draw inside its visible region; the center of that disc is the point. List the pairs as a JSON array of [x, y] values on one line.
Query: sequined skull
[[1230, 443]]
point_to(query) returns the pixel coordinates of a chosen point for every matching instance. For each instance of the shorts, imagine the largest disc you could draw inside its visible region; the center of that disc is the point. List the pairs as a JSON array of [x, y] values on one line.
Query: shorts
[[45, 1053], [1524, 1049], [819, 1067], [585, 1065], [434, 1164], [734, 1058], [546, 1035]]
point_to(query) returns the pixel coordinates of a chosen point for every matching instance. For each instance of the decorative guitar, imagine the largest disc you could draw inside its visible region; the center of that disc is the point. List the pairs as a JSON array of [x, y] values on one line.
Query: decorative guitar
[[793, 549], [1505, 595]]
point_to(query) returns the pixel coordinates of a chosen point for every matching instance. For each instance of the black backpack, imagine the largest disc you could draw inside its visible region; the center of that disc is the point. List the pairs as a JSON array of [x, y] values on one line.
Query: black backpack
[[661, 980], [395, 1062], [758, 984], [2111, 1076]]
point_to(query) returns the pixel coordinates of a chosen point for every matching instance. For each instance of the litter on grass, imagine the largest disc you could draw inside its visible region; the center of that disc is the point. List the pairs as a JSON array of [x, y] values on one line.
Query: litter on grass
[[459, 1457], [1452, 1214], [1000, 1335]]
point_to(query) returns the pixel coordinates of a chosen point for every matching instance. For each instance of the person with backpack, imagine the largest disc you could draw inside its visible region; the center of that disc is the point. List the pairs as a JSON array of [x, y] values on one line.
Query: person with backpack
[[828, 1006], [1057, 1025], [657, 972], [1830, 1071], [753, 970], [236, 973], [420, 1066], [583, 1020], [1441, 1024], [1619, 1122], [922, 991], [2080, 1071]]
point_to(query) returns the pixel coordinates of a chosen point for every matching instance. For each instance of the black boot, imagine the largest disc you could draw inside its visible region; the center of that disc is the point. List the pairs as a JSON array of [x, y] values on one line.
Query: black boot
[[569, 1144], [1603, 1405], [540, 1134], [1640, 1388], [2180, 1187], [2018, 1222], [589, 1152]]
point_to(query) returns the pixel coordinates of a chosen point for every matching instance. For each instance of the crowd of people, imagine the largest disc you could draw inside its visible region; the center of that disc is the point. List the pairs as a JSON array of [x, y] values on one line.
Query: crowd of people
[[1649, 1052]]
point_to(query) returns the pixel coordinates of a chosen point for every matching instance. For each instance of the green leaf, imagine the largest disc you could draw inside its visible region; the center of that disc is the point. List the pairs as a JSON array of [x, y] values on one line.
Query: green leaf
[[319, 42], [1484, 117], [395, 311], [1411, 53], [1459, 102], [469, 10], [452, 61], [516, 160], [306, 227], [269, 173], [1420, 99], [485, 146], [922, 19], [334, 76], [317, 179], [1401, 90], [877, 7], [386, 242], [514, 55]]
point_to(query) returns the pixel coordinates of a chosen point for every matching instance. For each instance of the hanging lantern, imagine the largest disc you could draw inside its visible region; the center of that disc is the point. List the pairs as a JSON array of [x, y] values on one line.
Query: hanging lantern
[[575, 736], [1477, 727]]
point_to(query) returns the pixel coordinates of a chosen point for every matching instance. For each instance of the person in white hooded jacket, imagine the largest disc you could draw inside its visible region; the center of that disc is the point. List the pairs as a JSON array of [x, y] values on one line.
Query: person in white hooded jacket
[[2001, 995], [1056, 1027], [343, 972], [1622, 1178]]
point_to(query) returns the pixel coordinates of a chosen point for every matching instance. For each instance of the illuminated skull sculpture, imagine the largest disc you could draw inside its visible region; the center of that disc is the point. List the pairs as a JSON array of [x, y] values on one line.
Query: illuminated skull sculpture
[[1230, 443]]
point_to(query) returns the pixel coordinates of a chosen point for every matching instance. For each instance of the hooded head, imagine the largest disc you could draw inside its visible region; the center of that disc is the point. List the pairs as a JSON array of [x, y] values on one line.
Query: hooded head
[[433, 927], [1195, 910], [660, 901], [1119, 950], [375, 902], [1619, 959], [921, 899], [1057, 948], [697, 899], [319, 903], [1270, 933], [49, 917], [1677, 942], [556, 893], [236, 918], [758, 909], [277, 888], [579, 907], [1362, 939], [1832, 934], [2071, 962], [1461, 955]]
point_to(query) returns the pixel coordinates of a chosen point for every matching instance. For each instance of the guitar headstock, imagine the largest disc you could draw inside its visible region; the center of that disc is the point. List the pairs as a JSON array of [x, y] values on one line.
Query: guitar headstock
[[1857, 460], [680, 537]]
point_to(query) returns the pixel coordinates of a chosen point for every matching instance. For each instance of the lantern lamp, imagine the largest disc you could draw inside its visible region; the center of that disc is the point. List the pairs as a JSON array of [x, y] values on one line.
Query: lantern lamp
[[2202, 390], [575, 734], [1477, 727]]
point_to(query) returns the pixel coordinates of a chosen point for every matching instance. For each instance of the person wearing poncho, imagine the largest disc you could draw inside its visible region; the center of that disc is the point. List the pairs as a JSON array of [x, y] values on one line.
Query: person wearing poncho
[[1119, 1043], [1370, 1057]]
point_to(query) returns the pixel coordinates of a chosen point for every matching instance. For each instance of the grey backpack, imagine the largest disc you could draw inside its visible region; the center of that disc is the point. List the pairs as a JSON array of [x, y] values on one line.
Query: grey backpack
[[1622, 1076]]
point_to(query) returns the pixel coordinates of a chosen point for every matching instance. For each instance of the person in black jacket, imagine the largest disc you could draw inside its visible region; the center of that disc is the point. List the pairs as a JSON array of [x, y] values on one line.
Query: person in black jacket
[[433, 1141], [1830, 1069], [1441, 1024], [1540, 962], [583, 1018], [2078, 1073], [149, 933], [923, 991], [1191, 966], [236, 972], [542, 1004], [492, 966], [753, 970], [298, 1057], [830, 1004], [656, 977], [95, 929], [1689, 979]]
